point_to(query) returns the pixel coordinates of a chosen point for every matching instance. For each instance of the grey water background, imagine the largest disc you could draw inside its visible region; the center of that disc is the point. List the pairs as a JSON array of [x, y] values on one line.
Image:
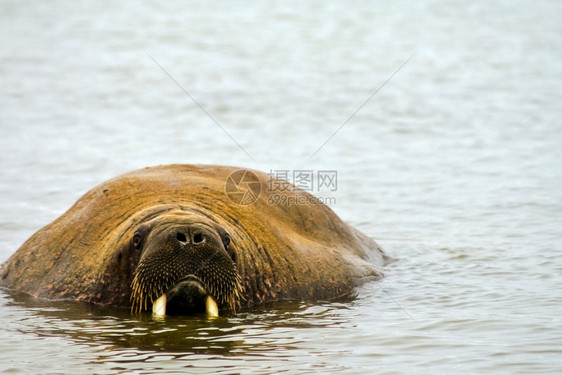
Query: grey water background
[[454, 167]]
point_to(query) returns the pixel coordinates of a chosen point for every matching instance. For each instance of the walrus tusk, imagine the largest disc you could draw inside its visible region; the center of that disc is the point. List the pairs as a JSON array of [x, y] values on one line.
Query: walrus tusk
[[211, 306], [159, 306]]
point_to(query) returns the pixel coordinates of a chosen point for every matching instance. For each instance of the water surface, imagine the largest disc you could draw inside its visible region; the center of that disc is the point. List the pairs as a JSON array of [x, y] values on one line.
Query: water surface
[[453, 167]]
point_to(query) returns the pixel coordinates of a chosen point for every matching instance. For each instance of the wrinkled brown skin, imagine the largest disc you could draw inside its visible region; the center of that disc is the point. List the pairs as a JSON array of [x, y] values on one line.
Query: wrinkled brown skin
[[299, 252]]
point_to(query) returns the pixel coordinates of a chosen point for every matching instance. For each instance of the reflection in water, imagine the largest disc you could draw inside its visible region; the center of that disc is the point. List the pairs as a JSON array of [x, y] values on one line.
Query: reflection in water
[[266, 333]]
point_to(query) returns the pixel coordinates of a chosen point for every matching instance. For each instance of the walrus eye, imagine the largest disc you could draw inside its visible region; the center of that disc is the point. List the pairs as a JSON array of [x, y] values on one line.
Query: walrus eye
[[226, 242], [137, 239]]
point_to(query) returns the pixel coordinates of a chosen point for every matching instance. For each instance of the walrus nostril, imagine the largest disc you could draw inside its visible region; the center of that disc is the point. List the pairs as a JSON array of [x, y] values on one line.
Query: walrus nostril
[[198, 238], [181, 238]]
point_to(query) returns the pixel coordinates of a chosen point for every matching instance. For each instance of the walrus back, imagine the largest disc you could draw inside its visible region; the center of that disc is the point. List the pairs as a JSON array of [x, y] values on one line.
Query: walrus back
[[300, 251]]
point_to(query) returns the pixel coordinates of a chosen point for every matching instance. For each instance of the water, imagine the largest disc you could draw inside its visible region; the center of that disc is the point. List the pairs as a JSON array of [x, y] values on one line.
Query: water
[[453, 167]]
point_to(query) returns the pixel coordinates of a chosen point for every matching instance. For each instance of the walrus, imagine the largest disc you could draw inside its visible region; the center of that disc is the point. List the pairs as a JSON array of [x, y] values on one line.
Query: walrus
[[185, 239]]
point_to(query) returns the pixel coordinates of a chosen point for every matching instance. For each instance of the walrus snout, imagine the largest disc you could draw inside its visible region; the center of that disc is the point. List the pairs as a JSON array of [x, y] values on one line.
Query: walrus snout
[[186, 266]]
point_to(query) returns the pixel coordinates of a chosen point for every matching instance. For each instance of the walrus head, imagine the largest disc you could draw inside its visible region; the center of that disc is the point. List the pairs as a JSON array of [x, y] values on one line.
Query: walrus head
[[186, 266]]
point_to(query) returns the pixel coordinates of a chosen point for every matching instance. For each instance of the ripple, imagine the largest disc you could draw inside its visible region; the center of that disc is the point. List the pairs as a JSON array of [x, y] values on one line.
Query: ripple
[[453, 166]]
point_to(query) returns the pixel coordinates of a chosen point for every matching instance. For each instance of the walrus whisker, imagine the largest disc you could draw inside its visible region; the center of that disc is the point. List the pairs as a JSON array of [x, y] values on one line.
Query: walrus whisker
[[223, 291]]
